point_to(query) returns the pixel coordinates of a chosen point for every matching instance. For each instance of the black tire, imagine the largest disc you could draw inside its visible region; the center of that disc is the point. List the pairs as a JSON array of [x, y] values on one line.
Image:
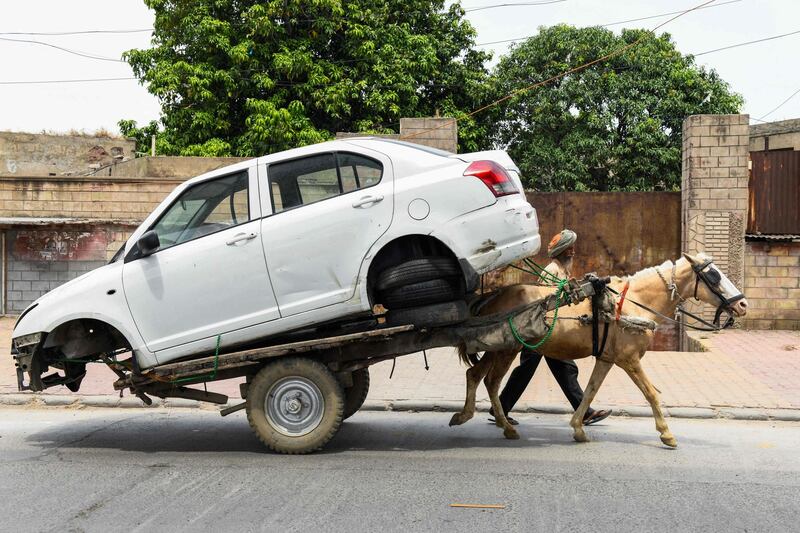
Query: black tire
[[355, 396], [416, 271], [430, 315], [423, 293], [320, 411]]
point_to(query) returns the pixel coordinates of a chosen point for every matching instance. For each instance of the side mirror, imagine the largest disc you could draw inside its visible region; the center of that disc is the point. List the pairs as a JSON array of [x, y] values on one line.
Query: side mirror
[[148, 243]]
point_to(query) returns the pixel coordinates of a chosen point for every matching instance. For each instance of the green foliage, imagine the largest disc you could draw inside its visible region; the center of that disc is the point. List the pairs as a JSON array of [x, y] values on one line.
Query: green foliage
[[614, 126], [247, 77]]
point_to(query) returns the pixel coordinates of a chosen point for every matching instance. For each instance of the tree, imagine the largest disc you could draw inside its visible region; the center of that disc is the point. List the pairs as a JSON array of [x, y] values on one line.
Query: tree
[[247, 77], [613, 126]]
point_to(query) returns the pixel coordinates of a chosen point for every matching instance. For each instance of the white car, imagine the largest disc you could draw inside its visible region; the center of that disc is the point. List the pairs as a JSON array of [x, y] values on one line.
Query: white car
[[311, 236]]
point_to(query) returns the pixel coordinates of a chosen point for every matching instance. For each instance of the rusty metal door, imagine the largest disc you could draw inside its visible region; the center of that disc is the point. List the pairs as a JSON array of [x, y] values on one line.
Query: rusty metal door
[[774, 193]]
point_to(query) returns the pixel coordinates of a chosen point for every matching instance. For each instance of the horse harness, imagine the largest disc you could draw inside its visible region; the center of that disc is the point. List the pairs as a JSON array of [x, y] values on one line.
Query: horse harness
[[711, 277]]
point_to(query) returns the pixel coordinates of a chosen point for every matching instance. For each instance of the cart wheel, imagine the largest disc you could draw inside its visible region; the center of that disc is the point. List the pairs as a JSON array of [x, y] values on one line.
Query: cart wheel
[[295, 405], [354, 396]]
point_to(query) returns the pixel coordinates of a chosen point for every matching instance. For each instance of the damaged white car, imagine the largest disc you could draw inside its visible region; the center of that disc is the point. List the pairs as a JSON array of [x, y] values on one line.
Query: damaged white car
[[296, 243]]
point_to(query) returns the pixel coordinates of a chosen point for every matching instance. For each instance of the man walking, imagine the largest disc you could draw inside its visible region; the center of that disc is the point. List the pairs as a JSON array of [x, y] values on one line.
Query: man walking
[[561, 250]]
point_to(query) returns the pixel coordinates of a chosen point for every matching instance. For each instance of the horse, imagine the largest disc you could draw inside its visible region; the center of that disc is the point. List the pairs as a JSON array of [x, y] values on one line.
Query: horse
[[662, 289]]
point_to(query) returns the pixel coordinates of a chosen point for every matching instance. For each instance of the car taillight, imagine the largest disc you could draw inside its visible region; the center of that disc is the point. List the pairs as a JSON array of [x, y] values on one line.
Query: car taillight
[[493, 176]]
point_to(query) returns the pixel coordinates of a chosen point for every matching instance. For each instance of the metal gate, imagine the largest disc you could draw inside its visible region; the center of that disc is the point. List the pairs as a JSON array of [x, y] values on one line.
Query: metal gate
[[774, 193]]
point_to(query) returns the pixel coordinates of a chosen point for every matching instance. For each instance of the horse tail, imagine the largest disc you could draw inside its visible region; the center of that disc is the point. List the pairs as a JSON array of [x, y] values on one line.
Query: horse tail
[[469, 359]]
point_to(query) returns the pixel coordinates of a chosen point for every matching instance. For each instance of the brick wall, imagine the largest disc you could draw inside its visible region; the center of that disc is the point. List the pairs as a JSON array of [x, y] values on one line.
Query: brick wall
[[43, 154], [714, 191], [78, 197], [772, 285]]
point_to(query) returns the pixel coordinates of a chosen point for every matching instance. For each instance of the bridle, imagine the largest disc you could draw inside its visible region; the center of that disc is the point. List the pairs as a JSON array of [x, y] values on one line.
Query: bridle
[[712, 278]]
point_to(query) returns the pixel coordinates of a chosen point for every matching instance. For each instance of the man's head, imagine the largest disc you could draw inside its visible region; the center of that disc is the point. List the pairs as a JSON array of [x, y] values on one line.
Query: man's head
[[562, 245]]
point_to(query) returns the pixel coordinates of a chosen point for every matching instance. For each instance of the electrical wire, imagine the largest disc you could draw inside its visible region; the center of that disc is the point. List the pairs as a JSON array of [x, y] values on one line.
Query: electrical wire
[[77, 32], [513, 4], [613, 23], [43, 82], [579, 68], [68, 50], [747, 43], [761, 119]]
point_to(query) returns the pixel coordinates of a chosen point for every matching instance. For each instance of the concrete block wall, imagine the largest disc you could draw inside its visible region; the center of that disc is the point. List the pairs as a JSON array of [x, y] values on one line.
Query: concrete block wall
[[714, 191], [441, 133], [772, 285], [45, 154], [28, 280], [107, 198]]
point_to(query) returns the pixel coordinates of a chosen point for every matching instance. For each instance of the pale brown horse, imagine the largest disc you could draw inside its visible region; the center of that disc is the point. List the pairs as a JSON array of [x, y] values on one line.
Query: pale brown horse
[[661, 288]]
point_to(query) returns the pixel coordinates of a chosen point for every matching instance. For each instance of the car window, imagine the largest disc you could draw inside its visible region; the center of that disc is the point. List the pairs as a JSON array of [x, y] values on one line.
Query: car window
[[311, 179], [205, 208]]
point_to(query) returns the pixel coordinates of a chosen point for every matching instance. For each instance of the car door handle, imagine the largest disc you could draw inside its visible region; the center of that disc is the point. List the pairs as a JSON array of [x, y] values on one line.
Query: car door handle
[[368, 200], [239, 237]]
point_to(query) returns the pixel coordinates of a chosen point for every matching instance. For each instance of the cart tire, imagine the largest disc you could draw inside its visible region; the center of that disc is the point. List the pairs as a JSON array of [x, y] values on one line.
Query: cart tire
[[434, 315], [423, 293], [295, 405], [416, 271], [354, 396]]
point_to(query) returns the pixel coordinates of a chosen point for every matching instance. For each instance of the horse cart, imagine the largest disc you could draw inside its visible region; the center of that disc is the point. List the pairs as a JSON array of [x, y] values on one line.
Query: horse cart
[[297, 394]]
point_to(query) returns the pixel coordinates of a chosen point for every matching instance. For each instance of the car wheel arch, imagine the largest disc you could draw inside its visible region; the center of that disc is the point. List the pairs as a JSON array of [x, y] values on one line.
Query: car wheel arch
[[75, 336], [404, 248]]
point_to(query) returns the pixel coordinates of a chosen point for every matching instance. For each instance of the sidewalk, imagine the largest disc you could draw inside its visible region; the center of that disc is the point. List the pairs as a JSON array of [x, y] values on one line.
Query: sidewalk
[[756, 370]]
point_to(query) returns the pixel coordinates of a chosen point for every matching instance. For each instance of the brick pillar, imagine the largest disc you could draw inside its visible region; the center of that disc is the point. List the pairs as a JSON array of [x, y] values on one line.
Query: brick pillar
[[714, 190], [439, 133]]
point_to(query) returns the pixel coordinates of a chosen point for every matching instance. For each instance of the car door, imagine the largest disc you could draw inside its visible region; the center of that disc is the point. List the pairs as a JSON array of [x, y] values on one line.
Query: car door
[[328, 210], [209, 275]]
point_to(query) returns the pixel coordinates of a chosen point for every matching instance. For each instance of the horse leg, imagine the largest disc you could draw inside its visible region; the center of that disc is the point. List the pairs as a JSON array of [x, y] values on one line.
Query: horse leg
[[599, 373], [636, 372], [501, 364], [474, 376]]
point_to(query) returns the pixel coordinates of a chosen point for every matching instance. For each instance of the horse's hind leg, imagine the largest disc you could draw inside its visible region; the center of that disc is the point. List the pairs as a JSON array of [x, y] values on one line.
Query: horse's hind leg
[[636, 372], [500, 365], [599, 373], [474, 376]]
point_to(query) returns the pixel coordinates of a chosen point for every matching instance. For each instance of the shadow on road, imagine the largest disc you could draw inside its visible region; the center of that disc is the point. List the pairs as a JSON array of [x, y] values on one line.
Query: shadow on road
[[201, 432]]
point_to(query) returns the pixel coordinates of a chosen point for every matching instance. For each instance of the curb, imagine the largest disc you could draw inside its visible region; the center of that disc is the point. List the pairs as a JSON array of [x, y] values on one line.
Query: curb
[[449, 406]]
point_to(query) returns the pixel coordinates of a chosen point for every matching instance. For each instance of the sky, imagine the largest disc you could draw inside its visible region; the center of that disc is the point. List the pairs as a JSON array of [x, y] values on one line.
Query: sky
[[765, 73]]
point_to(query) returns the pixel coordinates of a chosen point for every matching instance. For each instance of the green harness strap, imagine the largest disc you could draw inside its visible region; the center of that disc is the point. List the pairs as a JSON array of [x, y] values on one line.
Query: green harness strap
[[546, 276]]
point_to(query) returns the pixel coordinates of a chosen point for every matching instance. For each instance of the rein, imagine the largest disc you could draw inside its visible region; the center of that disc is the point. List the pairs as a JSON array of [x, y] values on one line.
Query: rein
[[711, 279]]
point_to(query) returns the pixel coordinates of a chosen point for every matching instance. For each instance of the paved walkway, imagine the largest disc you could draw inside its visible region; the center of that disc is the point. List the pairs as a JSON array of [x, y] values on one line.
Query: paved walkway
[[755, 369]]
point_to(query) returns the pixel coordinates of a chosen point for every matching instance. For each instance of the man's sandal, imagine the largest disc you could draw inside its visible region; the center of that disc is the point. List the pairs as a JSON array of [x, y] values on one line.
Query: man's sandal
[[596, 417]]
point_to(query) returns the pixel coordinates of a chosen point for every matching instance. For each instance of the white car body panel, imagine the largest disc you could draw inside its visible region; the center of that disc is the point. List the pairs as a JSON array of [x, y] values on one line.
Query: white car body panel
[[309, 264]]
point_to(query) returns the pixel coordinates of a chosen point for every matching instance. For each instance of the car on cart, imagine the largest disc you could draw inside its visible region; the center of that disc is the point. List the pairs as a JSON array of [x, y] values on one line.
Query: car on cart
[[309, 240]]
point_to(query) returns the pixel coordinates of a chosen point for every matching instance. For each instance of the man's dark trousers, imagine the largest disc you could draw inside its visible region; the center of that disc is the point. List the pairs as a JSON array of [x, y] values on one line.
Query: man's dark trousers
[[565, 372]]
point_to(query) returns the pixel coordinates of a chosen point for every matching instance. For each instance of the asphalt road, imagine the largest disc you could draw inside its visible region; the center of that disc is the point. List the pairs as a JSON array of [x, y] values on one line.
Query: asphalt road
[[191, 470]]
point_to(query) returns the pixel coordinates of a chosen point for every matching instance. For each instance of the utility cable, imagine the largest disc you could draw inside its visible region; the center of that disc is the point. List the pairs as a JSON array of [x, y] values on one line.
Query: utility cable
[[69, 51], [513, 4], [614, 23], [761, 119], [747, 42], [579, 68], [77, 32]]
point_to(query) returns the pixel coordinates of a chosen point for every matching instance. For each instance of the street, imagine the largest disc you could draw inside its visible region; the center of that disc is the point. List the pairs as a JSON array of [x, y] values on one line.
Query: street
[[190, 469]]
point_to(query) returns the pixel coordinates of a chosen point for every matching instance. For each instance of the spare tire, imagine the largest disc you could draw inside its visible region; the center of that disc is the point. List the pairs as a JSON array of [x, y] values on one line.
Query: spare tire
[[423, 293], [434, 315], [416, 271]]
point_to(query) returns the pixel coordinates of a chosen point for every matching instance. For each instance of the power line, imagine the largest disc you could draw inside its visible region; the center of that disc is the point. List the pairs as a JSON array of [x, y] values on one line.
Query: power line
[[748, 42], [614, 23], [69, 51], [77, 32], [779, 106], [513, 4], [43, 82]]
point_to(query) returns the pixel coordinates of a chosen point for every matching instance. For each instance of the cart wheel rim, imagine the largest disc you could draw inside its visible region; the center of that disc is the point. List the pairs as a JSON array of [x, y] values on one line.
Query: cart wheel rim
[[294, 406]]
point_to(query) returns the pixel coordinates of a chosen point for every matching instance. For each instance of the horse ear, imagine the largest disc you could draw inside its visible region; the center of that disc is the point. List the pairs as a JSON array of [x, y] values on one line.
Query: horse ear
[[692, 260]]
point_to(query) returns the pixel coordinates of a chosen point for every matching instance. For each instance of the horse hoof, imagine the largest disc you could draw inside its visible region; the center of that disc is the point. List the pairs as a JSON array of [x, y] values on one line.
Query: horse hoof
[[670, 441], [580, 437], [456, 420], [511, 434]]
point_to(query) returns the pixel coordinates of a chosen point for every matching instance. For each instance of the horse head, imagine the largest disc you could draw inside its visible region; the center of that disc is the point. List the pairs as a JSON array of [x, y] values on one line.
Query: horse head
[[713, 287]]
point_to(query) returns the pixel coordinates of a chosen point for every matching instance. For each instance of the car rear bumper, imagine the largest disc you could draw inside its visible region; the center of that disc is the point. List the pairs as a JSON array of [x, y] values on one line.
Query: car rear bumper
[[495, 236]]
